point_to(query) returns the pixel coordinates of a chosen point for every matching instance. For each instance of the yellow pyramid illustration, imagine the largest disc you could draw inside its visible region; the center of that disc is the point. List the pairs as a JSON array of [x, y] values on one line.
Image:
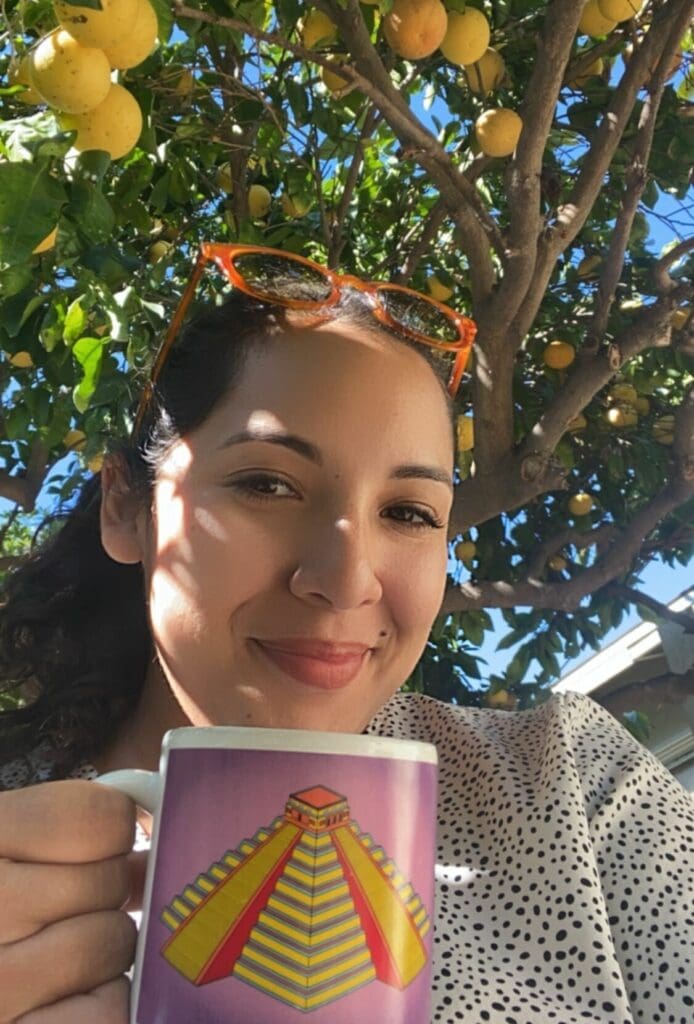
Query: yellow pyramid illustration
[[307, 911]]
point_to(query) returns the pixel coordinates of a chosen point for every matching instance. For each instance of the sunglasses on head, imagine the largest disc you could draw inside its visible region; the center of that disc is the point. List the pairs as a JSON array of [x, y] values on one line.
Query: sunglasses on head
[[294, 282]]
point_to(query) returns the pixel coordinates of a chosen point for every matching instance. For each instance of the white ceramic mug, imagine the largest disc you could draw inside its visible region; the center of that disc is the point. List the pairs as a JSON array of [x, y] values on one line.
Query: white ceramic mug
[[291, 876]]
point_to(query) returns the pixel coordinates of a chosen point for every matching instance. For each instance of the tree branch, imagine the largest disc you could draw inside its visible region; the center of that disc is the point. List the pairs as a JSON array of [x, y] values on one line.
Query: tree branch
[[24, 489], [337, 242], [600, 539], [663, 282], [620, 590], [429, 228], [523, 175]]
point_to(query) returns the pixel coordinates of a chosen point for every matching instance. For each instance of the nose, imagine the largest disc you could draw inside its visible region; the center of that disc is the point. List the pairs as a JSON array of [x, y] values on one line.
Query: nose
[[337, 567]]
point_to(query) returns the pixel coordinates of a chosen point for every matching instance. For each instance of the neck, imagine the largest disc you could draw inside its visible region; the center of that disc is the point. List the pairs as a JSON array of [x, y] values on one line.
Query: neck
[[137, 743]]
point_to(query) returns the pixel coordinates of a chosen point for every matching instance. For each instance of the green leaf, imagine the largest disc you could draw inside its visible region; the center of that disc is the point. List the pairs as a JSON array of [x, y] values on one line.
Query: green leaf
[[30, 204], [75, 321], [34, 137], [92, 212], [89, 353]]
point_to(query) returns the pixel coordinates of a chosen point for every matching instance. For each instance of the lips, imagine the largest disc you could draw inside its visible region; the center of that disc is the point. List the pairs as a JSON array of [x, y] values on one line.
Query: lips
[[325, 666]]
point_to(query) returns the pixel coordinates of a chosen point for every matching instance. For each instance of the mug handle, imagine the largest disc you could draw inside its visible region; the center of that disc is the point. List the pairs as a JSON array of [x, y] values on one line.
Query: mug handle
[[145, 788]]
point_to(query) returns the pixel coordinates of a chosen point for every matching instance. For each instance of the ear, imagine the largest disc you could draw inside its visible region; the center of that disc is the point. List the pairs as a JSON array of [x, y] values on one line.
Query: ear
[[121, 517]]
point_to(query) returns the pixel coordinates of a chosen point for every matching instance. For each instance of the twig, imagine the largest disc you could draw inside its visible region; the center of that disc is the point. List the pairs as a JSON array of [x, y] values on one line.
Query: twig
[[337, 242], [429, 228]]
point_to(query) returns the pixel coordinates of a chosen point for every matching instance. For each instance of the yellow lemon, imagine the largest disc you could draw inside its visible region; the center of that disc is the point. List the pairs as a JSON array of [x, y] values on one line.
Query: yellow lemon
[[95, 464], [580, 504], [679, 318], [625, 393], [588, 264], [158, 250], [621, 416], [593, 22], [317, 31], [619, 10], [223, 178], [596, 67], [107, 27], [663, 429], [415, 28], [75, 440], [114, 125], [259, 200], [487, 73], [22, 360], [642, 406], [69, 76], [558, 355], [47, 243], [501, 699], [498, 131], [577, 424], [18, 74], [465, 433], [467, 36], [557, 563], [331, 80], [294, 206], [438, 290], [137, 45], [465, 551]]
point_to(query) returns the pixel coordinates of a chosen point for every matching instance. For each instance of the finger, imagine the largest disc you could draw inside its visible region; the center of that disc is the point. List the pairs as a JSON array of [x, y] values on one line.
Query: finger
[[137, 869], [73, 821], [66, 958], [107, 1004], [34, 895]]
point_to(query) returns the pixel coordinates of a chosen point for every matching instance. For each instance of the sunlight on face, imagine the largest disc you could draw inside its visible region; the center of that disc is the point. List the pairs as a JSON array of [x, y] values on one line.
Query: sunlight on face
[[312, 503]]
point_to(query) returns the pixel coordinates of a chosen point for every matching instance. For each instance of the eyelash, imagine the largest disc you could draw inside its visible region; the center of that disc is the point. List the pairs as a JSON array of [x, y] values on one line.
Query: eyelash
[[246, 486]]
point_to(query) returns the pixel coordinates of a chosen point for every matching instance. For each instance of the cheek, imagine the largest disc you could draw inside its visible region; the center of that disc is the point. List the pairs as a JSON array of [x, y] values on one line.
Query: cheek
[[414, 589]]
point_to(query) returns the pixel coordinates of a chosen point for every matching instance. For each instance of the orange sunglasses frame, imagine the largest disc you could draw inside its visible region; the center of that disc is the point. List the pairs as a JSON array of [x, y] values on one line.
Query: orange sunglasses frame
[[223, 255]]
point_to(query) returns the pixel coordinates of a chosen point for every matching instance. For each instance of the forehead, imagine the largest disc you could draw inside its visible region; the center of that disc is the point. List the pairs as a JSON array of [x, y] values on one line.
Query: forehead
[[342, 379]]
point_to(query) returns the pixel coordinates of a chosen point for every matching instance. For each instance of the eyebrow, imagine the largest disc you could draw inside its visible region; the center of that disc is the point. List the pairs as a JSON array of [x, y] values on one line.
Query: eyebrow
[[309, 451]]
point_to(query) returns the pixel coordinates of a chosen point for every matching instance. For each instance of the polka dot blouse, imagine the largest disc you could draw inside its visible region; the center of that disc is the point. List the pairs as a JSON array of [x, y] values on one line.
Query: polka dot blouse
[[565, 888]]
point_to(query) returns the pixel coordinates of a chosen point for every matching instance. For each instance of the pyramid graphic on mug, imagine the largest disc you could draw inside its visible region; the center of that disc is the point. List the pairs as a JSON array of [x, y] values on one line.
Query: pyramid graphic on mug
[[307, 911]]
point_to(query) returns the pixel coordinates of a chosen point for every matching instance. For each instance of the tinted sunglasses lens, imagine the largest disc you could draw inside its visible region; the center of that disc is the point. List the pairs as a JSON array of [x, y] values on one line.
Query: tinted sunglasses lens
[[417, 314], [281, 277]]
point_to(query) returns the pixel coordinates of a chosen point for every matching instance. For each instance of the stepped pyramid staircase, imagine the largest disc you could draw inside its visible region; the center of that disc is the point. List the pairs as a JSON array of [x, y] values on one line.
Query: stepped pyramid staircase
[[307, 911]]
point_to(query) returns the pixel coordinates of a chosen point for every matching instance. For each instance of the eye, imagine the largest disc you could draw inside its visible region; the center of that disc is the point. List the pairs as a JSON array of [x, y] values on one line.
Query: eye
[[260, 486], [429, 521]]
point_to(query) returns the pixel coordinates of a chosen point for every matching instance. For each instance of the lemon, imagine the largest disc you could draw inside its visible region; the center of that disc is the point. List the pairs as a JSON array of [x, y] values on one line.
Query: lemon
[[114, 125], [500, 699], [465, 550], [467, 36], [317, 31], [619, 10], [558, 355], [137, 45], [69, 76], [75, 440], [294, 206], [580, 504], [331, 80], [223, 179], [438, 290], [487, 73], [158, 250], [557, 563], [596, 67], [415, 28], [107, 27], [18, 74], [642, 406], [621, 416], [664, 429], [577, 424], [95, 464], [465, 433], [498, 131], [626, 393], [679, 318], [259, 200], [593, 22]]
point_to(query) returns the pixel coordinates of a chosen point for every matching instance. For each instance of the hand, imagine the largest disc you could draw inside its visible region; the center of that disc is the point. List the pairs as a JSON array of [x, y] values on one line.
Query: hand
[[65, 937]]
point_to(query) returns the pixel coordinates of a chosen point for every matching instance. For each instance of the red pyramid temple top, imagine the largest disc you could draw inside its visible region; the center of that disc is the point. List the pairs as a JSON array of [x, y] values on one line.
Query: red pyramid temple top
[[318, 797]]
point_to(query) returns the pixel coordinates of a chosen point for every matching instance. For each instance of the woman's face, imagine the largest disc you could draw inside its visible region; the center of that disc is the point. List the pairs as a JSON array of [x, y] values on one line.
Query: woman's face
[[326, 537]]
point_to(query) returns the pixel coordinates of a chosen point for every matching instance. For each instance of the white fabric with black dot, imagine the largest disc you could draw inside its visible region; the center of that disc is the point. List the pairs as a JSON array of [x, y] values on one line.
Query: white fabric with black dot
[[565, 866]]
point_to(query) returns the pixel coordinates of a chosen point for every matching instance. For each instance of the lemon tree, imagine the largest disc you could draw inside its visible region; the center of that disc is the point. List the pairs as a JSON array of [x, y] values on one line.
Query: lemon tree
[[526, 161]]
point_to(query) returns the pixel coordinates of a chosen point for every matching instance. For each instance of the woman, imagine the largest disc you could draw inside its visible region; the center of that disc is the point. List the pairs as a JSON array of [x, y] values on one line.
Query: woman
[[271, 550]]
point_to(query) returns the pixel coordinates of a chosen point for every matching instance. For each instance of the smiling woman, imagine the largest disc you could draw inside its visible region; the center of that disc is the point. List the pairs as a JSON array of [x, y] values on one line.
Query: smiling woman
[[270, 549]]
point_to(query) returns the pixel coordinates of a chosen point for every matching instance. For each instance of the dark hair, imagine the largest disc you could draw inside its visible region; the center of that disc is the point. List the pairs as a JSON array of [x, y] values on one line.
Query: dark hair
[[74, 637]]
